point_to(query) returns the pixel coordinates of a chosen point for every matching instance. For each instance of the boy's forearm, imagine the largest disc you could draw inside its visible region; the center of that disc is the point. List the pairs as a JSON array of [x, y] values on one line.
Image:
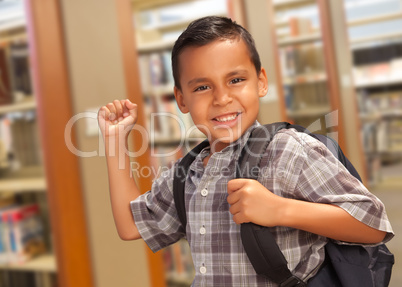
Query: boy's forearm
[[122, 186], [330, 221]]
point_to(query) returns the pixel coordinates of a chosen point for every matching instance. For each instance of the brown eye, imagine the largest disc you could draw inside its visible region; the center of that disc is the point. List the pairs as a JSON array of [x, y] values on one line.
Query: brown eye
[[201, 88], [236, 80]]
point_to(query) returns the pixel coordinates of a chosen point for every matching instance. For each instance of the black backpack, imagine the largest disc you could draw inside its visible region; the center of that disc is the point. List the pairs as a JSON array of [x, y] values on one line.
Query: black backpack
[[345, 265]]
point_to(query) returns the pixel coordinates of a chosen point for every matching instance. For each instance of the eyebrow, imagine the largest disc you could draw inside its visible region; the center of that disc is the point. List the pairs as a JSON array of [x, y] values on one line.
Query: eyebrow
[[230, 74], [196, 81], [237, 72]]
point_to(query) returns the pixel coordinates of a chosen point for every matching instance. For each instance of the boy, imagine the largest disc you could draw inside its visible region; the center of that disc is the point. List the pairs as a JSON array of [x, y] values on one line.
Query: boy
[[219, 80]]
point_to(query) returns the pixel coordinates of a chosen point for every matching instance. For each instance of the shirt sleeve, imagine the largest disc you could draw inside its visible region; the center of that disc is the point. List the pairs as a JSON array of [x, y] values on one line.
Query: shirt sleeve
[[155, 213], [318, 176]]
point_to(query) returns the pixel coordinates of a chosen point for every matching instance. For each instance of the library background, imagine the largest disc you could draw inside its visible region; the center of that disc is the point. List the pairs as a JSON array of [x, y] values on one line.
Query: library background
[[333, 66]]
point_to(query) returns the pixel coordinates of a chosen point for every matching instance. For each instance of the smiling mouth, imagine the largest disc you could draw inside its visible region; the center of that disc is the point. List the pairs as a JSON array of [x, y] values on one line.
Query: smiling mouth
[[226, 118]]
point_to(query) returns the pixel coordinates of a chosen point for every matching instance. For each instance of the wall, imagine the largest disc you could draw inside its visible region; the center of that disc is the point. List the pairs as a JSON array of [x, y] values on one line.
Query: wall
[[96, 77]]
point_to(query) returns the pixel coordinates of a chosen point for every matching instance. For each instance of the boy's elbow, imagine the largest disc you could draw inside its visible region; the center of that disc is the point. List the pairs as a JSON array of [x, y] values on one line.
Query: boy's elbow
[[374, 237], [379, 236], [128, 236]]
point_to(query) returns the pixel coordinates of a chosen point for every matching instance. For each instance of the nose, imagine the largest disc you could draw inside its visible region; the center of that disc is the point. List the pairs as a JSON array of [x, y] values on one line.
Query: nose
[[222, 96]]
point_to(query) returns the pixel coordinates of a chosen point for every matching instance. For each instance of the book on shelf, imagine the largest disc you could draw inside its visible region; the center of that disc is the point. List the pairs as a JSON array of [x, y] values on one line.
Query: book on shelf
[[380, 102], [22, 233], [373, 168], [156, 72], [19, 138], [369, 137], [378, 64], [307, 95], [145, 73], [301, 58], [377, 54], [395, 135], [382, 136], [381, 73], [157, 69], [5, 83], [15, 78], [20, 70]]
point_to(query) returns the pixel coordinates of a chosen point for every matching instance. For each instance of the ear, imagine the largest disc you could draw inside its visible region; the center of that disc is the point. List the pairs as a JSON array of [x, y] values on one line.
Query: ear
[[262, 83], [180, 100]]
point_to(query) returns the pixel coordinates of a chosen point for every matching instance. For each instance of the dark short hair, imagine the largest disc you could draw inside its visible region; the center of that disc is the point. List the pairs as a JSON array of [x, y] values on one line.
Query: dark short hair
[[206, 30]]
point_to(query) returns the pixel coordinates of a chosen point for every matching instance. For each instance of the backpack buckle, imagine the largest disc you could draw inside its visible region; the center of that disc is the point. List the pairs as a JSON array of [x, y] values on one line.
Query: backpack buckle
[[293, 281]]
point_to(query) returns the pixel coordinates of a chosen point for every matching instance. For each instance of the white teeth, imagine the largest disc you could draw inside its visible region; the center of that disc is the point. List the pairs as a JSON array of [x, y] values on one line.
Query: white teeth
[[227, 118]]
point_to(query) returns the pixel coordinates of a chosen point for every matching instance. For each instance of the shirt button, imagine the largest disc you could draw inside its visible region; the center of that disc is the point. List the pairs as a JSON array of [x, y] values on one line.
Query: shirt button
[[203, 269], [204, 192], [203, 230]]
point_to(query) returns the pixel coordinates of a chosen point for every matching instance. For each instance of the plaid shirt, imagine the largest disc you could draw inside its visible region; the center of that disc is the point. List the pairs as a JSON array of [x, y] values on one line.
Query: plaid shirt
[[292, 168]]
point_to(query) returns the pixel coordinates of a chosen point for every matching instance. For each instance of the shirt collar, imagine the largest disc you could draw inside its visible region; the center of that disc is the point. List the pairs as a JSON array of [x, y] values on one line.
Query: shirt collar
[[233, 150]]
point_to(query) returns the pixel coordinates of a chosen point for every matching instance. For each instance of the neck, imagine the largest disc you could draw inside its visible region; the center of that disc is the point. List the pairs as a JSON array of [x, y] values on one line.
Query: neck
[[215, 146]]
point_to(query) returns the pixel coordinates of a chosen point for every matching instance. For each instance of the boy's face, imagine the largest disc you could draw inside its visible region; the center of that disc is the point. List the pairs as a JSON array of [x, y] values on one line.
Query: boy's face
[[220, 89]]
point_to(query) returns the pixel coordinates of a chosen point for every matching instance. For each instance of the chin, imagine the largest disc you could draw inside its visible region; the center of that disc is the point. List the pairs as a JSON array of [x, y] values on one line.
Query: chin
[[227, 137]]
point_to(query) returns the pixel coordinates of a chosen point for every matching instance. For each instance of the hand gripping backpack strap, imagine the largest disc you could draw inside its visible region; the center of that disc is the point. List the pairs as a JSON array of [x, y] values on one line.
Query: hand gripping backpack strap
[[180, 180], [258, 242]]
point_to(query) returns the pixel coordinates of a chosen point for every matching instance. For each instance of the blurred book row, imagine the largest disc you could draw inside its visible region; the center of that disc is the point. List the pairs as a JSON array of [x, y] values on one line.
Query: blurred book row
[[26, 279], [15, 81], [296, 60], [19, 141], [156, 72], [378, 73]]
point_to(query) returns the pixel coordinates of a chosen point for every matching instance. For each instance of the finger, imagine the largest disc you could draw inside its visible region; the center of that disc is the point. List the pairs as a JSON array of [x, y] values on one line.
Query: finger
[[119, 109], [236, 184], [126, 113], [233, 198], [234, 209], [112, 115], [238, 218], [132, 110], [103, 112], [127, 107], [131, 107]]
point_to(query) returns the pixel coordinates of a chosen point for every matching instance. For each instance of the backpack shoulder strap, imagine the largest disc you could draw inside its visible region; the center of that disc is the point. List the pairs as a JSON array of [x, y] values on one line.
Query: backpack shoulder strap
[[250, 157], [180, 180], [258, 242]]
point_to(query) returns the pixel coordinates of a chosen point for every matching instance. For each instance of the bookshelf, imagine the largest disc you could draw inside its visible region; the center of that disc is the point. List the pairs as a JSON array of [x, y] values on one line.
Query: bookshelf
[[303, 70], [377, 70], [312, 79], [157, 25], [22, 179]]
